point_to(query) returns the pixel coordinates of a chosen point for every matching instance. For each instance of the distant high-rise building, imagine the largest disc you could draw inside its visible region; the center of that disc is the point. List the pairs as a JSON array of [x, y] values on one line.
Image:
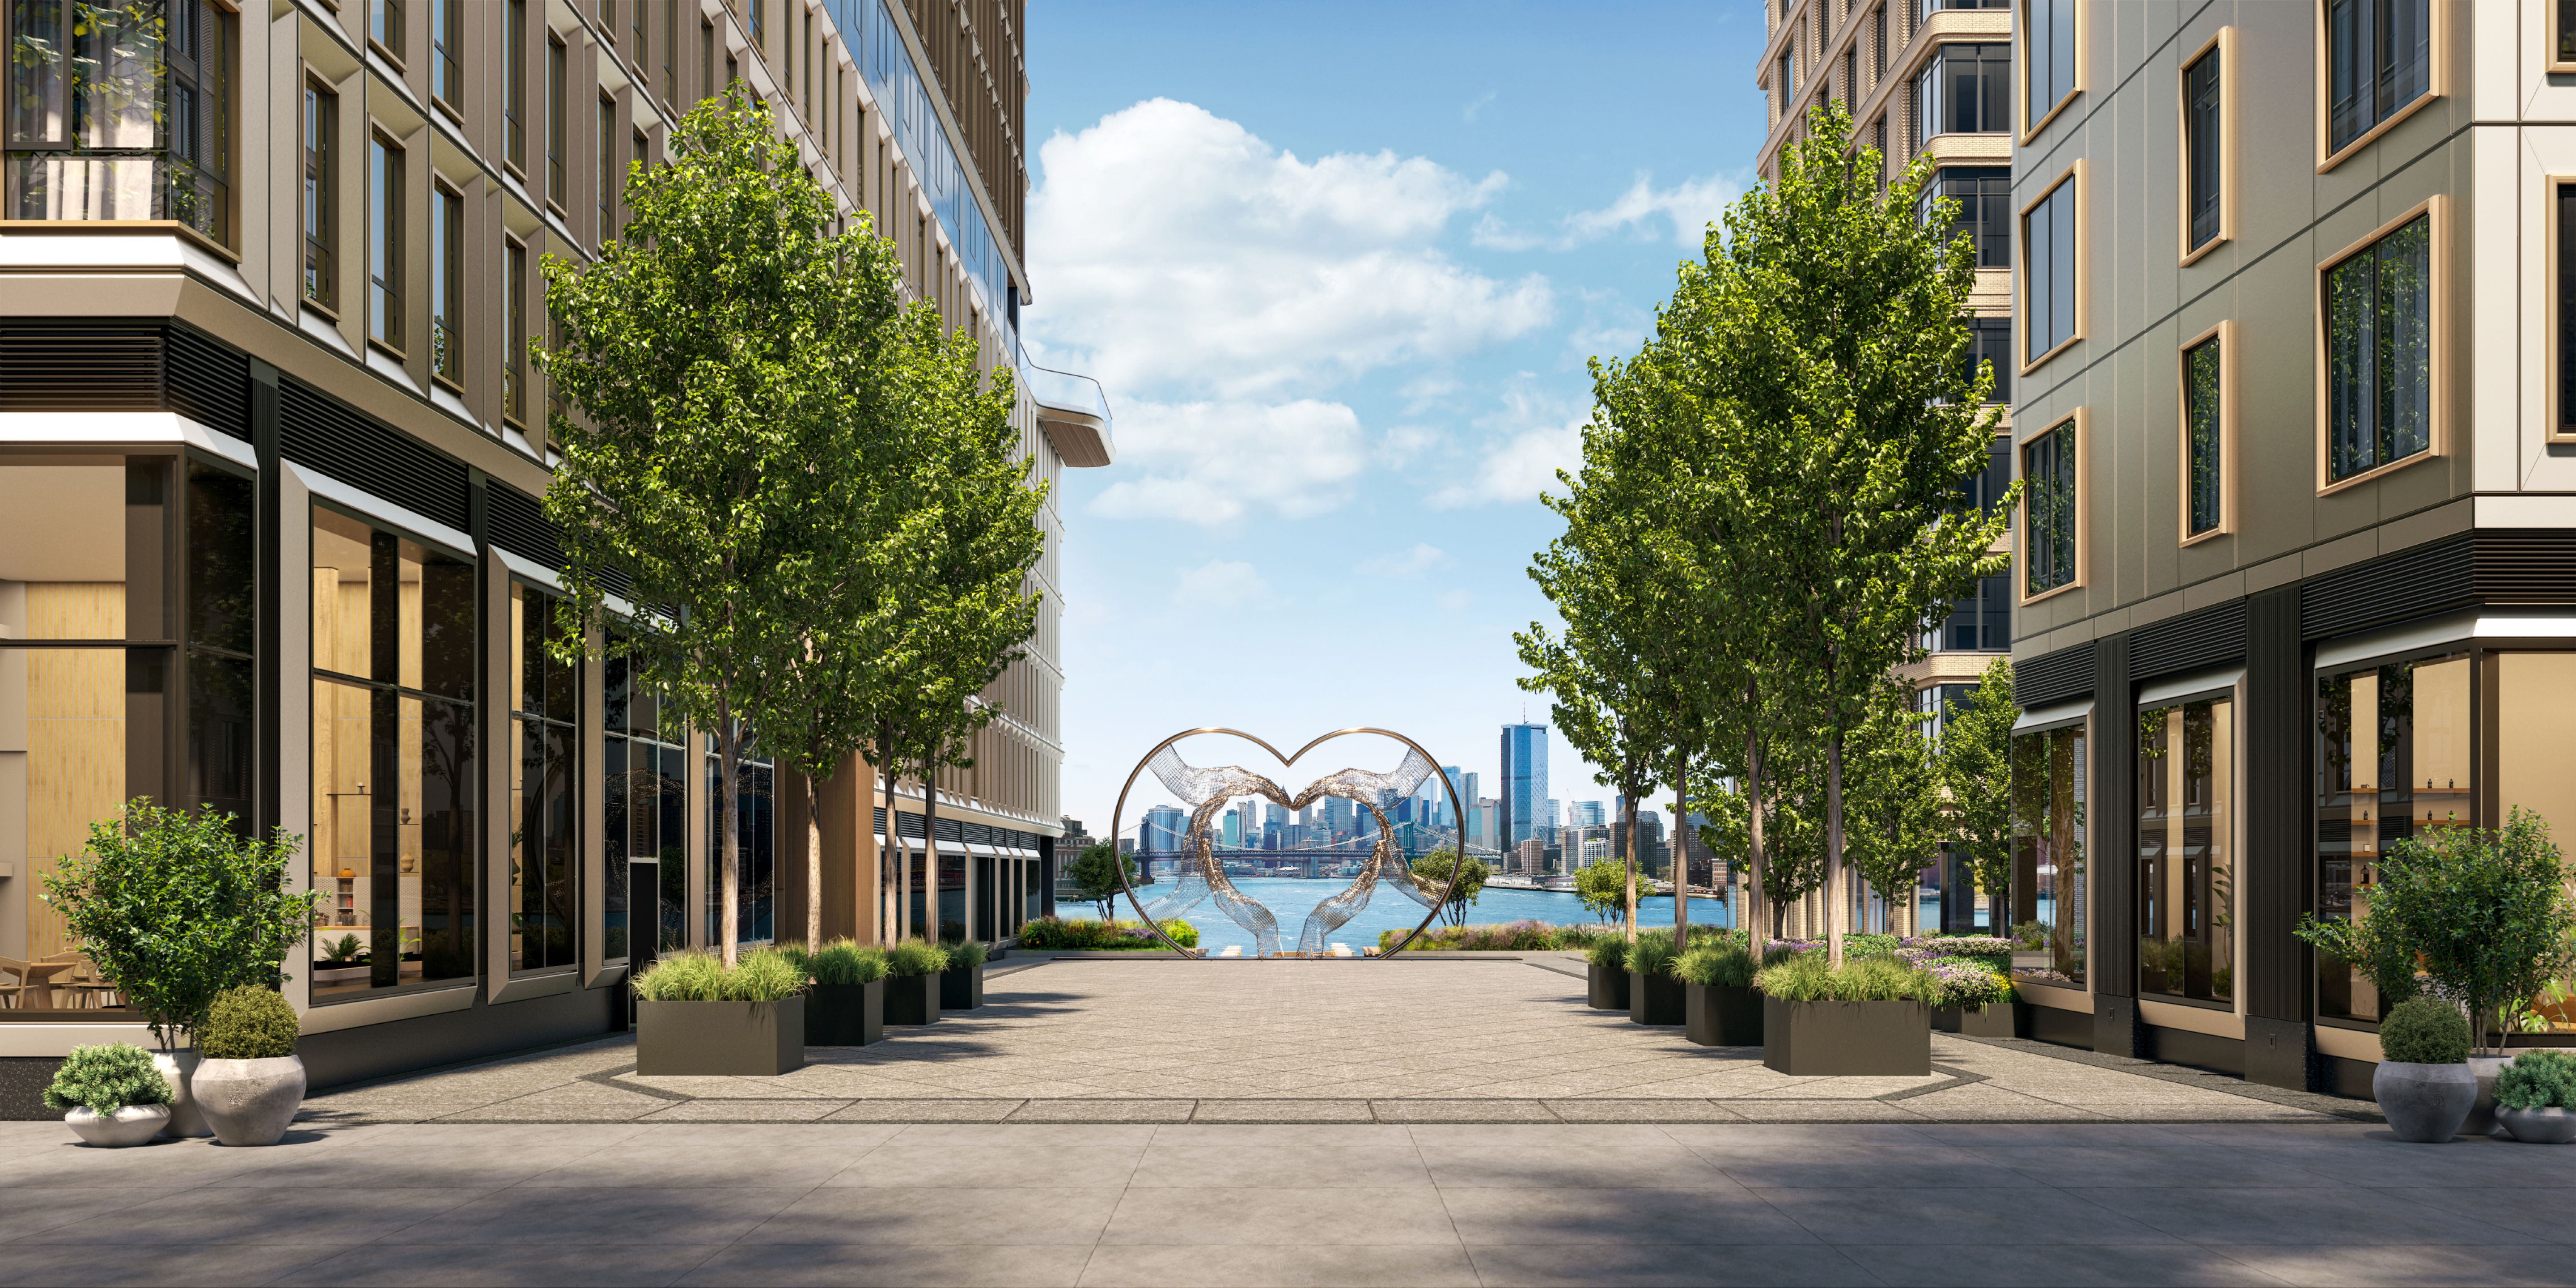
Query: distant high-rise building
[[1524, 774], [1587, 814], [1532, 857], [1162, 830], [1337, 816], [1233, 829]]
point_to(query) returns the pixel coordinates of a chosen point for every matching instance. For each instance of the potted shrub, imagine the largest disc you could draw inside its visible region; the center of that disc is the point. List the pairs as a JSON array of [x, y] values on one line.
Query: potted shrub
[[1972, 1000], [175, 907], [912, 982], [845, 1005], [1654, 994], [2424, 1084], [2534, 1097], [112, 1095], [693, 1016], [961, 982], [1719, 1004], [1605, 973], [250, 1081], [1872, 1017]]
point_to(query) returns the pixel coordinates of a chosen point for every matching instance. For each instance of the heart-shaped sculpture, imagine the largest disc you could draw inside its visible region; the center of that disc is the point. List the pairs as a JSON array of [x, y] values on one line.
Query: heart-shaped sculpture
[[1206, 791]]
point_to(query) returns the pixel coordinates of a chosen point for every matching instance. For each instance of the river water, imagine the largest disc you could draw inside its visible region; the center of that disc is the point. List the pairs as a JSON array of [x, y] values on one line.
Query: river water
[[1291, 898]]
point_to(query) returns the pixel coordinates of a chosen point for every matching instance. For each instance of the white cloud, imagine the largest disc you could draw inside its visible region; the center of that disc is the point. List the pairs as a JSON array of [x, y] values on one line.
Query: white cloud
[[1212, 462], [1690, 205], [1422, 558], [1526, 443], [1221, 583], [1452, 601], [1468, 113], [1185, 257]]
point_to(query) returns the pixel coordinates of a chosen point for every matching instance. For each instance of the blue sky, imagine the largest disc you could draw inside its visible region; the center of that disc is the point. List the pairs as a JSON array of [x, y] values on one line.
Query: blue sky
[[1339, 267]]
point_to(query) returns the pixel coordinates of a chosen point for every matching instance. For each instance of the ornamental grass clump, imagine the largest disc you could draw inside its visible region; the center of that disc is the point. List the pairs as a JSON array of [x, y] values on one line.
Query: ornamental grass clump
[[1805, 977], [964, 954], [1719, 965], [847, 961], [105, 1079], [766, 975], [916, 957], [249, 1023], [1610, 953], [2424, 1030], [1652, 954], [2540, 1079]]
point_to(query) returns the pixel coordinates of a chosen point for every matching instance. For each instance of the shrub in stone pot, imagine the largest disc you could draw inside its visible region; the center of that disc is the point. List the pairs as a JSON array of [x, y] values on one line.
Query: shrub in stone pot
[[1605, 973], [250, 1081], [961, 984], [112, 1095], [912, 982], [1654, 992], [1873, 1017], [2424, 1084], [2536, 1097], [694, 1016], [1719, 1004], [845, 1005]]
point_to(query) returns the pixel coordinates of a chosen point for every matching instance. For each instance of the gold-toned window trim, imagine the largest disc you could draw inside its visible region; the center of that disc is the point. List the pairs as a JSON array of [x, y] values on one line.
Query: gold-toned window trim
[[2436, 211], [2436, 85], [2224, 45], [2021, 515], [2225, 334], [2021, 78], [2073, 174], [2555, 428], [2551, 39]]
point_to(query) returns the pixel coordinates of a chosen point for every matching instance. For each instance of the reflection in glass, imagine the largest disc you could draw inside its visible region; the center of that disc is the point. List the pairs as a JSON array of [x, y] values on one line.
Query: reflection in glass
[[544, 839], [2186, 851], [756, 827], [2379, 352], [2392, 760], [2048, 846], [2201, 410]]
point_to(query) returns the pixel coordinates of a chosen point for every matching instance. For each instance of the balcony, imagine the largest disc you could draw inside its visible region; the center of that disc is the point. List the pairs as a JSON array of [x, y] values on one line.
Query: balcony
[[1073, 412]]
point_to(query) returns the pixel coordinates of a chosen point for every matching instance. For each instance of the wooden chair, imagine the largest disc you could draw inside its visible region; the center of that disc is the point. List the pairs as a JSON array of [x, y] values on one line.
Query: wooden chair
[[90, 989], [15, 989]]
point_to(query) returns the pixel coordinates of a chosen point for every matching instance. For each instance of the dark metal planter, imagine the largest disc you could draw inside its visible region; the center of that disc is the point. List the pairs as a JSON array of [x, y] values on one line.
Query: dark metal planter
[[1604, 989], [1654, 999], [845, 1014], [961, 988], [1722, 1014], [758, 1039], [912, 999], [1823, 1039], [1993, 1020]]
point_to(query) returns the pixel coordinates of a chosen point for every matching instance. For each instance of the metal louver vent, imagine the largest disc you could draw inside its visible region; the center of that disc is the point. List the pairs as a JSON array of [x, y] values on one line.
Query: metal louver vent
[[2054, 677], [2392, 588], [519, 525], [314, 430], [59, 368], [2206, 638], [207, 382]]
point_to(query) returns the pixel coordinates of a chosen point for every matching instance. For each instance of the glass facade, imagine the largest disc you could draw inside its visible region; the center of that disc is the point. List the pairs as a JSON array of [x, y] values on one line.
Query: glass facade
[[1984, 216], [2379, 58], [2393, 758], [1963, 89], [2048, 48], [121, 109], [645, 777], [2048, 774], [755, 821], [545, 830], [2379, 352], [2187, 850], [2049, 268]]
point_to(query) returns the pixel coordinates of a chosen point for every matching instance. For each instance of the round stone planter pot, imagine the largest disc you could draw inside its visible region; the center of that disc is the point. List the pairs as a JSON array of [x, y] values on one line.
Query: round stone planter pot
[[2482, 1117], [132, 1125], [2425, 1103], [2547, 1125], [178, 1068], [251, 1102]]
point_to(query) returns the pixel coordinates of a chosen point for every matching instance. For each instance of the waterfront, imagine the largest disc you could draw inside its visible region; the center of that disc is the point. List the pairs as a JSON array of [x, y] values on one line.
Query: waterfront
[[1291, 898]]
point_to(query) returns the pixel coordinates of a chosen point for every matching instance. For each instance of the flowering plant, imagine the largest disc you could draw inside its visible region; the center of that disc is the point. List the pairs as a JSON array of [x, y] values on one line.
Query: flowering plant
[[1956, 945], [1966, 983]]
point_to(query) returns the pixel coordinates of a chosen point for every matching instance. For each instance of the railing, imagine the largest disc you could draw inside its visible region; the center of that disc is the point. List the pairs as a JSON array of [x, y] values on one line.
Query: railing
[[1064, 390]]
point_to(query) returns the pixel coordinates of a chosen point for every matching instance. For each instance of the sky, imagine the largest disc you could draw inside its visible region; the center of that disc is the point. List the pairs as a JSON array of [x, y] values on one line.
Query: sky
[[1339, 268]]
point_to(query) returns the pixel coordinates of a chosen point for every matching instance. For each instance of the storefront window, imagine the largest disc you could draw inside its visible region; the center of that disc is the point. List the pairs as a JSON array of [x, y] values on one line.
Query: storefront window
[[545, 838], [756, 829], [2393, 757], [393, 760], [2048, 847], [2187, 851], [646, 786]]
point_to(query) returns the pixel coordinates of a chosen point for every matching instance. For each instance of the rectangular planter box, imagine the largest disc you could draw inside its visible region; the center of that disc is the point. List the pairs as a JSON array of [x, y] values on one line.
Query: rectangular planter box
[[1654, 999], [1994, 1020], [845, 1014], [1824, 1039], [961, 988], [758, 1039], [1604, 989], [911, 999], [1722, 1014]]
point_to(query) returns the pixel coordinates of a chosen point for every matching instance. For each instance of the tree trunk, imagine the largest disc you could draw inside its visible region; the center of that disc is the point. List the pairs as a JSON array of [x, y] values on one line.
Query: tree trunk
[[887, 931], [1836, 901], [813, 865], [1628, 797], [728, 835], [930, 847], [1753, 818], [1681, 851]]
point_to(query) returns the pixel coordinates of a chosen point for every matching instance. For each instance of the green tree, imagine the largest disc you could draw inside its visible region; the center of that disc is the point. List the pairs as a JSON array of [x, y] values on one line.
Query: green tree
[[1095, 872], [176, 907], [1434, 868], [1895, 797], [1974, 764], [1836, 315], [1604, 888]]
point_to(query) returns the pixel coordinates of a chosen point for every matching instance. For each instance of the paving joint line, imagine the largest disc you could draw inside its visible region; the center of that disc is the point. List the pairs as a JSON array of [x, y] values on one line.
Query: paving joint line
[[2317, 1102]]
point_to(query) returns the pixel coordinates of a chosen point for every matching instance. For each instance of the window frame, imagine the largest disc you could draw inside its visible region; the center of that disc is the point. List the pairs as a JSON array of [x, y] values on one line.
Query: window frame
[[514, 89], [558, 74], [447, 310], [2073, 174], [2031, 126], [321, 104], [2558, 427], [2436, 85], [2223, 46], [609, 170], [584, 724], [2022, 595], [399, 19], [514, 330], [2560, 25], [387, 226], [446, 55], [2225, 335], [2435, 211]]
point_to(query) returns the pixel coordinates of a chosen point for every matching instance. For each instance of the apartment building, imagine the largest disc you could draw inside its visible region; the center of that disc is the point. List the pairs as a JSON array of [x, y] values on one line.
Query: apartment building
[[1923, 80], [2293, 572], [270, 461]]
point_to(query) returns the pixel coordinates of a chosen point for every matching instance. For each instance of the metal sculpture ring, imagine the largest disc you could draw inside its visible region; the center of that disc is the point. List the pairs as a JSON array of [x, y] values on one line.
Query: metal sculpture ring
[[1205, 791]]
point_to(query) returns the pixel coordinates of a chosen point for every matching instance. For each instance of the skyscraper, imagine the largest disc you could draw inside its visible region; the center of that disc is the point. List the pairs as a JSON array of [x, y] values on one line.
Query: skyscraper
[[1524, 771], [1586, 814]]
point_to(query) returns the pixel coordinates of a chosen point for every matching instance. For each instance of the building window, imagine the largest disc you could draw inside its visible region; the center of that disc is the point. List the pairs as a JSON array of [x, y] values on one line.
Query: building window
[[545, 839], [2563, 19], [1984, 194], [2048, 885], [707, 86], [670, 54], [2379, 352], [755, 824], [635, 23], [384, 242], [1788, 91], [2052, 511], [393, 759], [321, 196], [759, 23], [2379, 60], [1961, 90], [609, 174], [608, 19], [446, 51], [121, 112], [2204, 413], [808, 79], [446, 284], [2051, 266], [556, 175], [2382, 731], [1878, 40], [385, 27], [514, 362], [2187, 850], [1990, 346], [1851, 75], [2049, 59], [2563, 419], [1931, 7], [645, 782], [514, 95], [2204, 163]]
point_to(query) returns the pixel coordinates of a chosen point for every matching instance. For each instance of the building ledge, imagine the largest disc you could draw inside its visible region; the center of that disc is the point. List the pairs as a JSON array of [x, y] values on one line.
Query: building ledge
[[1074, 413]]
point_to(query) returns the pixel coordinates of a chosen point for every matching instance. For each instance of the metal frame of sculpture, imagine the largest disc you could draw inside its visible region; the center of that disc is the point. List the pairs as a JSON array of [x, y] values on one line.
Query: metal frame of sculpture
[[1205, 791]]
